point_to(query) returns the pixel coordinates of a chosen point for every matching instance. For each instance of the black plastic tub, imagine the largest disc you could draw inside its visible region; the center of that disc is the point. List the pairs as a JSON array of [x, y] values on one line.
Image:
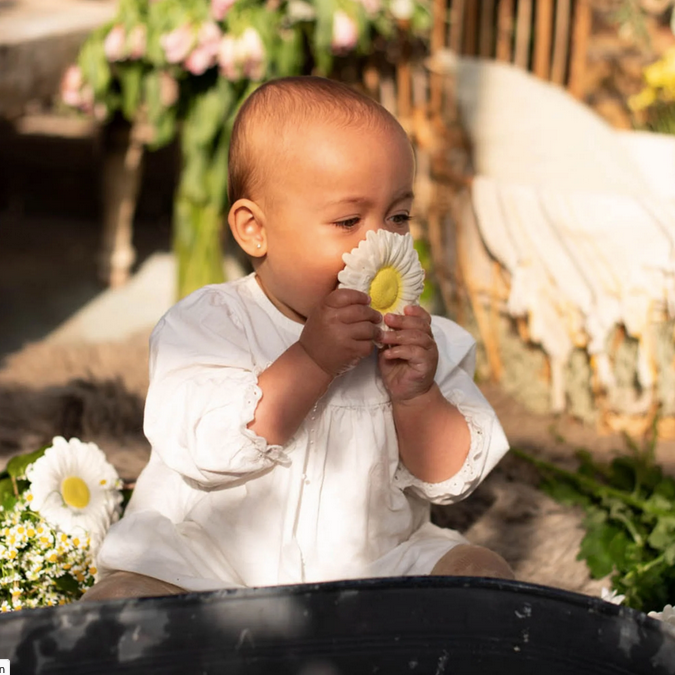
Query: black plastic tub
[[410, 625]]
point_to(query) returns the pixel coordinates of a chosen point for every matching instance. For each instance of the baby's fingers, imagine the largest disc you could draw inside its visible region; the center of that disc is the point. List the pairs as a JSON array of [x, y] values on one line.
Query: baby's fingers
[[342, 297], [408, 337], [415, 321], [413, 354]]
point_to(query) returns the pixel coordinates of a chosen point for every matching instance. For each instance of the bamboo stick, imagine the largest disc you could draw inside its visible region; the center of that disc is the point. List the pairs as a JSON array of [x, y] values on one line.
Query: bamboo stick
[[580, 33], [560, 41], [456, 26], [523, 33], [471, 28], [504, 30], [371, 79], [542, 38], [437, 43], [487, 19]]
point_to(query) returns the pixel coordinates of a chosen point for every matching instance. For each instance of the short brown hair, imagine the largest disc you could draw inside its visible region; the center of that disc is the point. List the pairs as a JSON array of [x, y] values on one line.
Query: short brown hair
[[288, 103]]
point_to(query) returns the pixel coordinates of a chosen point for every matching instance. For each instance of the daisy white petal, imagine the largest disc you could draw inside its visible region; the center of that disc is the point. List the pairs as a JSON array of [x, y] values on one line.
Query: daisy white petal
[[386, 267], [74, 488]]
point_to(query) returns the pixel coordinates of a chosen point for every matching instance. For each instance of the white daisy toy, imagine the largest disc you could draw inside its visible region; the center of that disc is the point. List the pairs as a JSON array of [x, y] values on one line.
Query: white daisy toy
[[74, 488], [386, 267]]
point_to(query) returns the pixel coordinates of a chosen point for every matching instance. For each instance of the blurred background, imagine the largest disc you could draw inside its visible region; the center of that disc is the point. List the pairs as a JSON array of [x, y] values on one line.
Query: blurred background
[[544, 133], [114, 123]]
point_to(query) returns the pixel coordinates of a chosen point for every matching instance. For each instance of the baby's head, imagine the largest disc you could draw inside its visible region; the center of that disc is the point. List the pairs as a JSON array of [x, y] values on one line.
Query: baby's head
[[313, 167]]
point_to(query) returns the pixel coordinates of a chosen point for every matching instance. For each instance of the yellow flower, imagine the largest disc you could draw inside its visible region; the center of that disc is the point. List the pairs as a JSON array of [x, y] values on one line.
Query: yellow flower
[[642, 100], [386, 267]]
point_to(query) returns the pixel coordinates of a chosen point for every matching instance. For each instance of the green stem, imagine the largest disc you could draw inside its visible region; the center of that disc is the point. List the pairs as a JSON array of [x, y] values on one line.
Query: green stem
[[591, 486], [641, 569]]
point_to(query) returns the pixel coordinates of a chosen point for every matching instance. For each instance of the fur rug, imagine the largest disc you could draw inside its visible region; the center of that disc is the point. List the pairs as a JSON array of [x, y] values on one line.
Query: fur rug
[[97, 392]]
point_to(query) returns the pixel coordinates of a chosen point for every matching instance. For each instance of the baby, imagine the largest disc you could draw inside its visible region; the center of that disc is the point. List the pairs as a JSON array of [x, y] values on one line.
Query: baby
[[286, 446]]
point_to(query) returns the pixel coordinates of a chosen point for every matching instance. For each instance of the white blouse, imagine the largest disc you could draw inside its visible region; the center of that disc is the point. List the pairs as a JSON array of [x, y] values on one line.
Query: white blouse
[[217, 506]]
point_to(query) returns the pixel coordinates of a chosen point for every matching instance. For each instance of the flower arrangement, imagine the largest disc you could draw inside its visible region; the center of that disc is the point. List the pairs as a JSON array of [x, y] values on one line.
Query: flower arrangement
[[655, 104], [167, 65], [56, 505]]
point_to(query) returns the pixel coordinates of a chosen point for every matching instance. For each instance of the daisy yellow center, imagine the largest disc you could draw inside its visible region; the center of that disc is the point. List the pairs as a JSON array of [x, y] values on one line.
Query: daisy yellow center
[[385, 289], [75, 492]]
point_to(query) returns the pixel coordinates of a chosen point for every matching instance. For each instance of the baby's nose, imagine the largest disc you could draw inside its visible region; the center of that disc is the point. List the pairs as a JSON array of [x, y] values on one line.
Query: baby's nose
[[384, 226]]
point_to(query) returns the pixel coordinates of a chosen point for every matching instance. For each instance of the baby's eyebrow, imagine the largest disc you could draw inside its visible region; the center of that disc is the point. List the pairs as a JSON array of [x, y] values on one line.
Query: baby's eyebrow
[[348, 200], [408, 194]]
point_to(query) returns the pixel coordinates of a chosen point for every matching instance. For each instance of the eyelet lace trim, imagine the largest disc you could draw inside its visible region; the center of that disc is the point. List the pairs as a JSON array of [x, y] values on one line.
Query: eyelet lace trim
[[467, 478], [274, 453]]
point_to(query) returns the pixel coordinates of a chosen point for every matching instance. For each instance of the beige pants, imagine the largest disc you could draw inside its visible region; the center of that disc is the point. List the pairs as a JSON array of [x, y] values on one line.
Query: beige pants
[[469, 560], [130, 585]]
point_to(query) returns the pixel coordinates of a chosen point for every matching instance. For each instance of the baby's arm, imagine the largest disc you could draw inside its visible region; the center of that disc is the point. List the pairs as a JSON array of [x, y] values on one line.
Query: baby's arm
[[337, 334], [433, 436]]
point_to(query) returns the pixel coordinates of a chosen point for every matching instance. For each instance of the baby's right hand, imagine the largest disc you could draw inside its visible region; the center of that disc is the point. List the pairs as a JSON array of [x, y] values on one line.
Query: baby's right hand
[[340, 331]]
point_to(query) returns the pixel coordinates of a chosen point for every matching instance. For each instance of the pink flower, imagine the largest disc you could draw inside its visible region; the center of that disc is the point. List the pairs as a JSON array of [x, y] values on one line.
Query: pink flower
[[115, 47], [71, 84], [345, 32], [371, 6], [168, 89], [220, 8], [250, 53], [227, 58], [205, 54], [178, 43], [137, 42], [199, 60], [86, 99]]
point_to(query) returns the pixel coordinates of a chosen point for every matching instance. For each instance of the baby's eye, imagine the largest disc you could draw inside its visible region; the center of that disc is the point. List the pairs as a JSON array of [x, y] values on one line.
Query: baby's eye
[[401, 218], [347, 223]]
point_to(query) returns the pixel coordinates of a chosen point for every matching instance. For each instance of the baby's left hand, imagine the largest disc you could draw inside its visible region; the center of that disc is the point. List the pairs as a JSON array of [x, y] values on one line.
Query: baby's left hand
[[409, 356]]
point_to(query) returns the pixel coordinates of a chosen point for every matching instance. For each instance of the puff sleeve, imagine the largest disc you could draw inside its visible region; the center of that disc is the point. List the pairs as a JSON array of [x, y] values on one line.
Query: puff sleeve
[[454, 376], [203, 393]]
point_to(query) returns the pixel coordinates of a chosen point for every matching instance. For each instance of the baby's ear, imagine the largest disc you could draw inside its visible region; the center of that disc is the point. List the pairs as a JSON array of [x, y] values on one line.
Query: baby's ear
[[247, 222]]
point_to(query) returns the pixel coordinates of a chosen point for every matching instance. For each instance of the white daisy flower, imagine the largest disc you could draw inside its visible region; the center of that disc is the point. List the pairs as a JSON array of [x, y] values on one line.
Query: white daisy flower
[[386, 267], [667, 615], [611, 596], [75, 488]]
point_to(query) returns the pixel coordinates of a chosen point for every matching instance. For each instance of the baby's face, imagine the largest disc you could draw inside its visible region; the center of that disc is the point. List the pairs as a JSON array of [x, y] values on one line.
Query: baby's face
[[335, 185]]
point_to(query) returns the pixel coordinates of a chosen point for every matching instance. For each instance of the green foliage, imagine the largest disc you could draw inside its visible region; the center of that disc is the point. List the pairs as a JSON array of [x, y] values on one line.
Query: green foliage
[[126, 68], [630, 520], [16, 467]]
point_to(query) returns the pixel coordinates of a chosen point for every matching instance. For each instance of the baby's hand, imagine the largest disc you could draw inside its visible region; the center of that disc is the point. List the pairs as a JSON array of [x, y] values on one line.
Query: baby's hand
[[340, 331], [409, 358]]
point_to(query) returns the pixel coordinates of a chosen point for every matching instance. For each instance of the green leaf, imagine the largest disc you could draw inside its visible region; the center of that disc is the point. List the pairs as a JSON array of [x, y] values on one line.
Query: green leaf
[[290, 55], [622, 474], [16, 467], [94, 64], [7, 496], [323, 36], [131, 79], [216, 178], [663, 534], [565, 492], [68, 584], [595, 547], [162, 119], [206, 116]]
